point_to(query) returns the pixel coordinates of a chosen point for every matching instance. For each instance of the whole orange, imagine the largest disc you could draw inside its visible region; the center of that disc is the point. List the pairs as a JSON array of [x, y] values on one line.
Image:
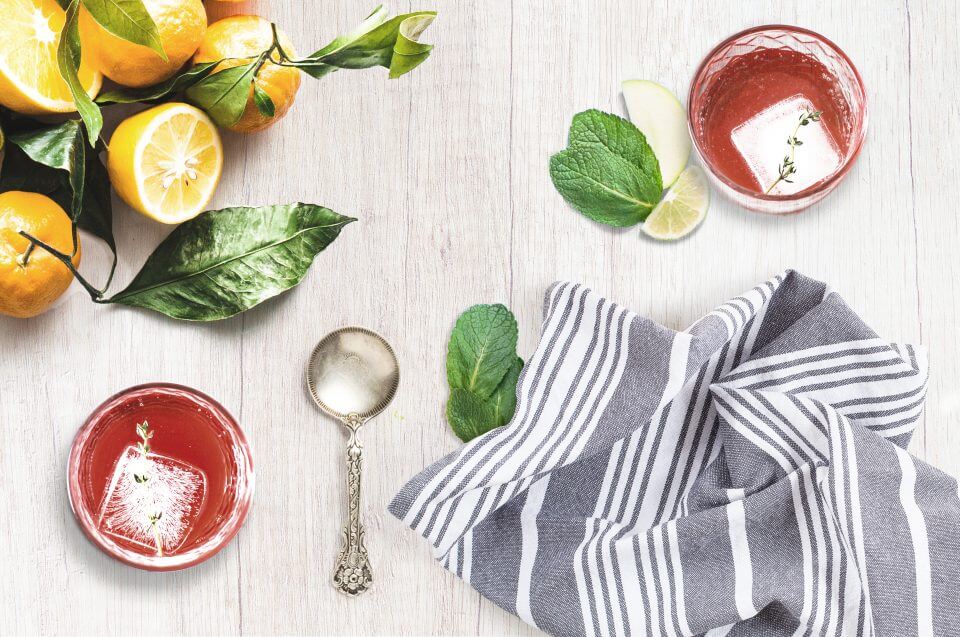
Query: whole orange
[[30, 283], [243, 38], [180, 24]]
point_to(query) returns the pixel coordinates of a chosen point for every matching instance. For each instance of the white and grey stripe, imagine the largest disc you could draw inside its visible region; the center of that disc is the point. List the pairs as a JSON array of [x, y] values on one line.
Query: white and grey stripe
[[745, 477]]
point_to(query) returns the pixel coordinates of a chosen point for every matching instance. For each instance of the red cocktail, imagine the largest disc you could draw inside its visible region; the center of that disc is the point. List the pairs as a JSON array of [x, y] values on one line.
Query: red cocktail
[[778, 115], [160, 477]]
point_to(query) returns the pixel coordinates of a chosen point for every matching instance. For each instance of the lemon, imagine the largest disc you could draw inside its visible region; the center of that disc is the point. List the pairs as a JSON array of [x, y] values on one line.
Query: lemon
[[31, 280], [682, 209], [30, 80], [180, 24], [165, 162], [238, 40]]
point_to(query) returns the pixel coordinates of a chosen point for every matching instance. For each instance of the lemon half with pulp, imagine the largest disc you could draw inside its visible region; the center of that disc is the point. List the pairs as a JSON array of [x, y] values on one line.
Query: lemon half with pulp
[[165, 162]]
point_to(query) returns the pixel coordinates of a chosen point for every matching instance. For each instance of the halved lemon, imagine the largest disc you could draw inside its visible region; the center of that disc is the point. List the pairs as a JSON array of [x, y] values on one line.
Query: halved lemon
[[165, 162], [682, 209], [30, 81]]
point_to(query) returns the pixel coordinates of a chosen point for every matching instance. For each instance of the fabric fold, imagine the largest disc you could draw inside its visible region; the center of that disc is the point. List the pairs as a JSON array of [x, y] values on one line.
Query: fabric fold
[[747, 476]]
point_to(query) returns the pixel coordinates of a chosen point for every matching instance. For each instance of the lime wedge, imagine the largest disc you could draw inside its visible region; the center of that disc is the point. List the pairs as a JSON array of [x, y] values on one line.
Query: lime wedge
[[682, 209], [663, 121]]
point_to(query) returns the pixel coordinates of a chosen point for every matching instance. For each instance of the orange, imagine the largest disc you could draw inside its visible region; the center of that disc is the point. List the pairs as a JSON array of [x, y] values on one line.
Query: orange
[[244, 37], [181, 25], [30, 80], [30, 284]]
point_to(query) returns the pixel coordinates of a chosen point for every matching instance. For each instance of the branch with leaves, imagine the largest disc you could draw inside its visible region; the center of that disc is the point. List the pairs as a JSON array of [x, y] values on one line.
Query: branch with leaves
[[63, 160]]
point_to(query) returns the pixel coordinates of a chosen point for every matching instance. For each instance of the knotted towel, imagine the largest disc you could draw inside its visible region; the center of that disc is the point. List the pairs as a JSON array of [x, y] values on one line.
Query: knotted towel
[[744, 477]]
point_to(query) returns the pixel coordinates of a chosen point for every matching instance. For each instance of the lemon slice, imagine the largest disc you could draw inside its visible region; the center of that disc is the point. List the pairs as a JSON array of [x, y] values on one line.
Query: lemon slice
[[682, 209], [30, 80], [165, 162]]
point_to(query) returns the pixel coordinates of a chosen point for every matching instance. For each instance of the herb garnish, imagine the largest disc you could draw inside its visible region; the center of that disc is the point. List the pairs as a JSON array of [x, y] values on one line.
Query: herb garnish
[[608, 171], [143, 447], [482, 370], [788, 167]]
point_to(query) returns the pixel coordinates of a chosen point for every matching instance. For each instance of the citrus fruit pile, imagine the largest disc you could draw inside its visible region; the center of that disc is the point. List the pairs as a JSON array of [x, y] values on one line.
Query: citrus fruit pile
[[73, 58]]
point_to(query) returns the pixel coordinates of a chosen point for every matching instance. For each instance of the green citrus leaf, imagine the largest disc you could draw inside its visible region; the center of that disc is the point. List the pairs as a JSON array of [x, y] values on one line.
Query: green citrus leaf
[[227, 261], [127, 19], [68, 61], [223, 95], [263, 101], [176, 84], [391, 43]]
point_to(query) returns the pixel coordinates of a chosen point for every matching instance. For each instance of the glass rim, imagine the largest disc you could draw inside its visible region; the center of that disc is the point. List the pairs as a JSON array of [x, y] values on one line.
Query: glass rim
[[210, 546], [822, 186]]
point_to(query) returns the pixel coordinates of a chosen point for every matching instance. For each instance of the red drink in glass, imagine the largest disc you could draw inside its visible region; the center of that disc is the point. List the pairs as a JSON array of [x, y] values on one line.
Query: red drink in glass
[[166, 497], [746, 102]]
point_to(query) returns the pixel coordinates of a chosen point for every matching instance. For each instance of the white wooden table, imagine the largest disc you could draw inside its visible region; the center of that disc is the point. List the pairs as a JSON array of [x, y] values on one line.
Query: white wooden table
[[447, 171]]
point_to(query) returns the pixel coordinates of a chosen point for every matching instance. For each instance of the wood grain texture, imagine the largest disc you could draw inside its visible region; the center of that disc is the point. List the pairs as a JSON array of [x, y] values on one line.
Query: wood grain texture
[[446, 170]]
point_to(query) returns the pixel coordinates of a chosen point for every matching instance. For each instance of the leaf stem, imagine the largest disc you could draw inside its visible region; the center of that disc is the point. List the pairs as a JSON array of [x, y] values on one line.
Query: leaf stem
[[95, 294]]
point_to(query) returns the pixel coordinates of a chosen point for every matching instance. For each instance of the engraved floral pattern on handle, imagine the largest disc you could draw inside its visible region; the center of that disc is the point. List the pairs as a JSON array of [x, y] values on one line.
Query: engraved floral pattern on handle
[[352, 574]]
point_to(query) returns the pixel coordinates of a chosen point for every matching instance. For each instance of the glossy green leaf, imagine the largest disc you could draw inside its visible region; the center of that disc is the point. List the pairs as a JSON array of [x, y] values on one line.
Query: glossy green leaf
[[68, 61], [176, 84], [62, 147], [608, 171], [226, 261], [50, 169], [263, 101], [223, 95], [482, 348], [377, 41], [127, 19]]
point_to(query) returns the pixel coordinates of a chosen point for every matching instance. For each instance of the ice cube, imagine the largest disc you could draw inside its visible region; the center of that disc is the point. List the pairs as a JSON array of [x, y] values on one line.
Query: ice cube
[[762, 141], [148, 488]]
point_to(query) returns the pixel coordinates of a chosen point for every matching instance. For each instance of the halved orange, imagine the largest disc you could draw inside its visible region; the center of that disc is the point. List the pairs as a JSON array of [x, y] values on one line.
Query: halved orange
[[30, 81]]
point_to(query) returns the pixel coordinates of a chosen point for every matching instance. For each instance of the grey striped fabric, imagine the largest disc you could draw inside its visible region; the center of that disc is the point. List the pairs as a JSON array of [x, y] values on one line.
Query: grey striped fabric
[[744, 477]]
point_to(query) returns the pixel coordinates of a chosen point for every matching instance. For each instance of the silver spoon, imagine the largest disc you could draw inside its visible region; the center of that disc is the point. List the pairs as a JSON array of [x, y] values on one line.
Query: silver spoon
[[353, 375]]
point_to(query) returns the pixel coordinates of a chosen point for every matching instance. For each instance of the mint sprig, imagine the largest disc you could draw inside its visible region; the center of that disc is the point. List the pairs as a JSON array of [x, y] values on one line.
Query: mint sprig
[[608, 172], [482, 370]]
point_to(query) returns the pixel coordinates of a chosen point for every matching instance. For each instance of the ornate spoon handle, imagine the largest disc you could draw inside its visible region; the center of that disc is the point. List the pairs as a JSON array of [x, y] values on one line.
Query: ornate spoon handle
[[352, 574]]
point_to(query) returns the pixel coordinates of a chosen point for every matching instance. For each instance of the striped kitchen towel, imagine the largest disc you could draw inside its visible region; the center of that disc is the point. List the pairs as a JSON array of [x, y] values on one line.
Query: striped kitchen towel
[[744, 477]]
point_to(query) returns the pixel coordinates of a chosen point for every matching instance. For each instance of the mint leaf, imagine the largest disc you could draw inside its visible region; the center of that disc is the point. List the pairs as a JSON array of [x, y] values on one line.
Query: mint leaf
[[469, 416], [127, 19], [482, 349], [608, 171], [593, 129], [504, 398]]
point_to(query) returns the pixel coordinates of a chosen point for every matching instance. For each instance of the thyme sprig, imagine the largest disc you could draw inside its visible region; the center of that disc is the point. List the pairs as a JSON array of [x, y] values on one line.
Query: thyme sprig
[[789, 167], [143, 447]]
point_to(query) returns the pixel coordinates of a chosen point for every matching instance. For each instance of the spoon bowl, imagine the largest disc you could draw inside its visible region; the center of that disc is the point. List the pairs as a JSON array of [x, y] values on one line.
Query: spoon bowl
[[353, 371]]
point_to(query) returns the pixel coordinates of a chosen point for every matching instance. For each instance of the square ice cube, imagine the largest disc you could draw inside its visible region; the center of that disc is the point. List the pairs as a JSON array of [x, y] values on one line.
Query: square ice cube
[[762, 141], [157, 487]]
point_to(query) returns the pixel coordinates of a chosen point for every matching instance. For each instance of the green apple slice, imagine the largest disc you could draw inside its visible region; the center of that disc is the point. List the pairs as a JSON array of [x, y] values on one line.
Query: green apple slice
[[662, 119]]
